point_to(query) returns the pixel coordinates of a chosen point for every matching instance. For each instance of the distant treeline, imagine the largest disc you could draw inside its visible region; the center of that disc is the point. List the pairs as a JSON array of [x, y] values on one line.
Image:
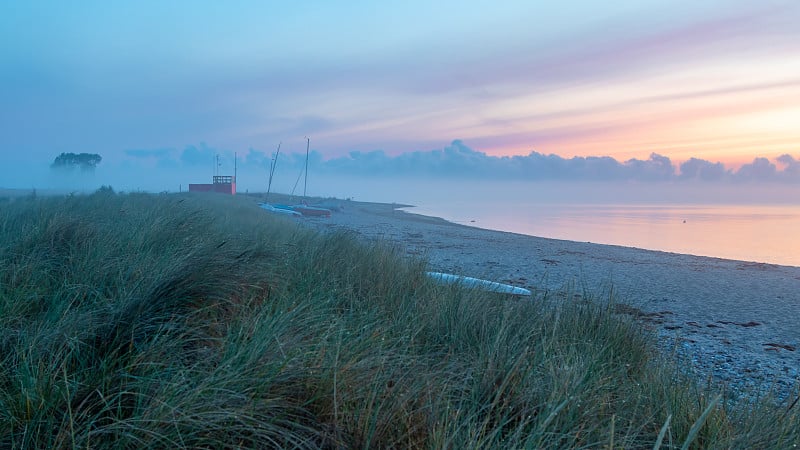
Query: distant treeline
[[84, 161]]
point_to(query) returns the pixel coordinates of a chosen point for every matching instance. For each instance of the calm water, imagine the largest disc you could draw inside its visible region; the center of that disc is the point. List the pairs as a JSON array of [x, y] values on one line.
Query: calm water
[[744, 232]]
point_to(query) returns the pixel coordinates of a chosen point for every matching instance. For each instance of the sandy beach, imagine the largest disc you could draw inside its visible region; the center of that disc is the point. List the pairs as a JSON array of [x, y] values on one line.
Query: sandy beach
[[734, 321]]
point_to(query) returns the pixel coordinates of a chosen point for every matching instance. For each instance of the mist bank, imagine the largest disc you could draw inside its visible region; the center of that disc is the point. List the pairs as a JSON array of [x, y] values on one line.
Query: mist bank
[[421, 191], [457, 160], [424, 191], [453, 173]]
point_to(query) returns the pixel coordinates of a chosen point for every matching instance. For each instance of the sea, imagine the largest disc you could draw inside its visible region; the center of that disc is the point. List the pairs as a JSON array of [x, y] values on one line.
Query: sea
[[747, 222], [747, 232]]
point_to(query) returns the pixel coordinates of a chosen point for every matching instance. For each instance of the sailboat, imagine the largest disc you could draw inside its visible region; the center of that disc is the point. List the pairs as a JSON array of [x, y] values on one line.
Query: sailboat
[[278, 209], [304, 208]]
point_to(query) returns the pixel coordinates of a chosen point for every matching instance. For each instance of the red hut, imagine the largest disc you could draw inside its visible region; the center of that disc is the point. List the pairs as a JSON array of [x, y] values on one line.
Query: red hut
[[223, 184]]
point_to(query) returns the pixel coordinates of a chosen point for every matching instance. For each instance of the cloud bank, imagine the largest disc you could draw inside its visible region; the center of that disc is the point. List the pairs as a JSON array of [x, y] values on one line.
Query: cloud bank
[[458, 161]]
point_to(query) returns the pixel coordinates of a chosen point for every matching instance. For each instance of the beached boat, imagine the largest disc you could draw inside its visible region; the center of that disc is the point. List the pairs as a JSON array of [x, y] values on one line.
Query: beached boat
[[312, 211], [304, 208], [296, 210], [469, 282], [277, 210]]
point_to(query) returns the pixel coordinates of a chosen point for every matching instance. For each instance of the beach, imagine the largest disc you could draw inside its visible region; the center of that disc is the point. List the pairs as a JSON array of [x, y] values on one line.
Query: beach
[[735, 322]]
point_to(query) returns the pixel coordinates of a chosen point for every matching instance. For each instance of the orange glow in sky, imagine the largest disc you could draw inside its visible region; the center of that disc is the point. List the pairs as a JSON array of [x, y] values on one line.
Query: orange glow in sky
[[729, 119]]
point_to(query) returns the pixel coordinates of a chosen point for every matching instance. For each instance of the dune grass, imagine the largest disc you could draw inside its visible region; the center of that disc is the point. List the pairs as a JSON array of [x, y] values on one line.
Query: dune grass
[[136, 321]]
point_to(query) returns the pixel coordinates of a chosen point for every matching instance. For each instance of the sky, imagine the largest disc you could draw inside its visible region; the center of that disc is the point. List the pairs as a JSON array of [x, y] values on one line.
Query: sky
[[574, 90]]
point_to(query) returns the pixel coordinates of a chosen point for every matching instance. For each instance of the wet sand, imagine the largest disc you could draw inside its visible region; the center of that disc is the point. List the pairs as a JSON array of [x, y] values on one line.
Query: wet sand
[[736, 321]]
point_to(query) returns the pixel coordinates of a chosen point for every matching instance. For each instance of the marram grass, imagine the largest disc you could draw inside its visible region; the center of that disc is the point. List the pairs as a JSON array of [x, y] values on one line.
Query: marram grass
[[180, 321]]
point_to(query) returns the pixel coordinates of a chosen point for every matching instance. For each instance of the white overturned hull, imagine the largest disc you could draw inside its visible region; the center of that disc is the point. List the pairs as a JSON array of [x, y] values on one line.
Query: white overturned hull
[[286, 212], [469, 282], [312, 211]]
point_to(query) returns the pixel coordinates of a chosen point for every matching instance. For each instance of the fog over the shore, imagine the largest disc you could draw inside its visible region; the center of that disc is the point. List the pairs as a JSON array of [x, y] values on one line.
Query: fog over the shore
[[455, 170]]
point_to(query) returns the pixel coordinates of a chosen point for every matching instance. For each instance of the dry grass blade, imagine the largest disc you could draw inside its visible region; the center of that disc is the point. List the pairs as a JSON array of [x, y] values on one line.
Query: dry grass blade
[[662, 433], [698, 424]]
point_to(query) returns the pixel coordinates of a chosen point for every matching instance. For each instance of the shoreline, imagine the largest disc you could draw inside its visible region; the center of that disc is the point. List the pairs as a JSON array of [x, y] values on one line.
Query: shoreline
[[628, 247], [735, 321], [626, 236]]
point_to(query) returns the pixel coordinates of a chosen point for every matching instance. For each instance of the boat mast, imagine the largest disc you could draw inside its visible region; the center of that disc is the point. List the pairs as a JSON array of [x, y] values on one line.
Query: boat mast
[[305, 182], [273, 163]]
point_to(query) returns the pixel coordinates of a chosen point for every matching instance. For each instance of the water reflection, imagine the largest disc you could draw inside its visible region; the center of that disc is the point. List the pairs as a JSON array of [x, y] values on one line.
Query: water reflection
[[744, 232]]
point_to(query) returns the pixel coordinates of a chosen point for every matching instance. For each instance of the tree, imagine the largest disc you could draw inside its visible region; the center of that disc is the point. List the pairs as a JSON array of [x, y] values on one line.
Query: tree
[[85, 161]]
